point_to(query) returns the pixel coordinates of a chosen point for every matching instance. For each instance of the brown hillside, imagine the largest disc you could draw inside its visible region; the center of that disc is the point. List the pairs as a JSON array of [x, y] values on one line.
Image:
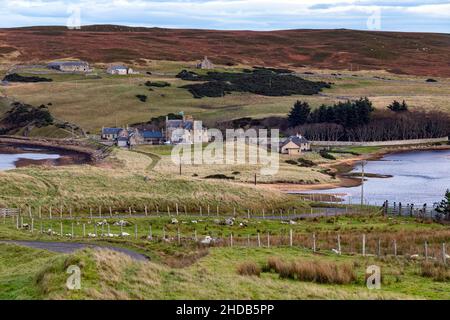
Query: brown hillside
[[409, 53]]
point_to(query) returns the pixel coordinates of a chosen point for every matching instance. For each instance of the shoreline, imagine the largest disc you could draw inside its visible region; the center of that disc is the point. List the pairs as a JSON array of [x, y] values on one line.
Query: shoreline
[[70, 152], [341, 168]]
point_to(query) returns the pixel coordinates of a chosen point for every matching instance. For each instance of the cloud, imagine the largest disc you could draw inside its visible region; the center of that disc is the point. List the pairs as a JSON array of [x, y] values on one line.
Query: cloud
[[233, 14]]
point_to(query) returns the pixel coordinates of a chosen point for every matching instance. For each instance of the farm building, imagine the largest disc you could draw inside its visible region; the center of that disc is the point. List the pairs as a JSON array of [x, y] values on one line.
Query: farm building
[[110, 134], [295, 145], [70, 66], [119, 70], [186, 131], [205, 64], [152, 137]]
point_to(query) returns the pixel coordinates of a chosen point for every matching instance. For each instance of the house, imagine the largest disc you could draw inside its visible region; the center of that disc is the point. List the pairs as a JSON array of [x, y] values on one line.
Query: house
[[205, 64], [110, 134], [152, 137], [119, 70], [129, 137], [70, 66], [185, 130], [295, 145]]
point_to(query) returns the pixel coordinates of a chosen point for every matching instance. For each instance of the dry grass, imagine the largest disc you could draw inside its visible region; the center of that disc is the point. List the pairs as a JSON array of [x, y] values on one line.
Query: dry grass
[[249, 269], [435, 270], [313, 271]]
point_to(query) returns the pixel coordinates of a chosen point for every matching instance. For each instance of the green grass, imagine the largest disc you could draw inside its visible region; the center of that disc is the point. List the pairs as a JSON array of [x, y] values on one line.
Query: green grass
[[93, 103]]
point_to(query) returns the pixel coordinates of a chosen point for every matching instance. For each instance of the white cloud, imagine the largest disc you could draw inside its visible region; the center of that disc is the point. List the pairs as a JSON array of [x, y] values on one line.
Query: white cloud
[[231, 14]]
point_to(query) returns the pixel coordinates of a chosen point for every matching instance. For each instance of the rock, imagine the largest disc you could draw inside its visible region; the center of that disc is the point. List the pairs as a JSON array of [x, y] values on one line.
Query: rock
[[414, 256], [335, 251], [92, 235], [102, 223], [207, 240], [216, 221], [229, 222], [292, 222], [194, 221], [122, 223], [124, 234], [174, 221], [26, 226]]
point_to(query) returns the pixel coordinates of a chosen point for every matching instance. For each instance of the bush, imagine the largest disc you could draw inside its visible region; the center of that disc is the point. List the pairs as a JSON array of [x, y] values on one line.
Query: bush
[[219, 176], [326, 155], [14, 77], [141, 97], [249, 269], [293, 162], [435, 270], [306, 162], [158, 84]]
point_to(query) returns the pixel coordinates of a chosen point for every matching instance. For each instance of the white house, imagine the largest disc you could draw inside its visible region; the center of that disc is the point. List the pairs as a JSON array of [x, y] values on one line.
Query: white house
[[119, 70]]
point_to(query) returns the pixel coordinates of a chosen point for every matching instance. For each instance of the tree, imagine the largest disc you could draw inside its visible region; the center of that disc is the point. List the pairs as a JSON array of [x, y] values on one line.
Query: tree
[[398, 107], [299, 114], [444, 206]]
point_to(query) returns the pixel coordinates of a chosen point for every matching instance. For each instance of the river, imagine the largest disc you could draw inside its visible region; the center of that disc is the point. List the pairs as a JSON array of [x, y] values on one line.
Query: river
[[8, 161], [418, 177]]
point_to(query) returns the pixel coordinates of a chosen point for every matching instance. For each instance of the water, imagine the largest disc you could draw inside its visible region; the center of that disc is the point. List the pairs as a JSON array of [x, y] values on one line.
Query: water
[[7, 161], [418, 177]]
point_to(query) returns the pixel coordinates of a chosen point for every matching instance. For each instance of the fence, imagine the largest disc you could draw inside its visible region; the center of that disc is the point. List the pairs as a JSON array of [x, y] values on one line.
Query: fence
[[9, 211], [411, 210], [412, 245], [62, 212], [377, 143]]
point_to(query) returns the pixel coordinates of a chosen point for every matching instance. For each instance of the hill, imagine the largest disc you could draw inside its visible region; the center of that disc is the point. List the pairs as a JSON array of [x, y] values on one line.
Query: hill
[[425, 54]]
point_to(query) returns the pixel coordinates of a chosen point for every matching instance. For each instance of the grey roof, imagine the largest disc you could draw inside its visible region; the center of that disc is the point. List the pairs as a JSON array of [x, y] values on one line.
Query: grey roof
[[117, 67], [188, 125], [68, 63], [111, 130], [147, 134], [298, 140]]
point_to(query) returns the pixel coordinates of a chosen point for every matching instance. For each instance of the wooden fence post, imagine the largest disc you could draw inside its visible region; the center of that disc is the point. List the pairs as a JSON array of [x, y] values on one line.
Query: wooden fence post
[[168, 211], [61, 229], [364, 245], [395, 248], [32, 225], [110, 212], [231, 240], [40, 212], [157, 209], [248, 240], [72, 233], [339, 244], [259, 240], [84, 230], [100, 211], [248, 213], [268, 240], [201, 211], [145, 209], [264, 213], [290, 238], [129, 210], [314, 242], [444, 254], [61, 212], [90, 213], [150, 234], [185, 211], [70, 212], [426, 251], [208, 210], [195, 235], [50, 212], [379, 247], [135, 231], [176, 208], [217, 210], [179, 236]]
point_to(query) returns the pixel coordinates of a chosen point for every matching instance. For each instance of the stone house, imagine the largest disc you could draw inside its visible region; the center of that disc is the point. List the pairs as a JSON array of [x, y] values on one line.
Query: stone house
[[70, 66], [295, 145], [205, 64], [119, 70]]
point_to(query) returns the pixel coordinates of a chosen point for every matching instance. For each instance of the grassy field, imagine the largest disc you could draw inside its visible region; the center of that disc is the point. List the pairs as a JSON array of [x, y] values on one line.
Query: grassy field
[[93, 102], [192, 272], [128, 179]]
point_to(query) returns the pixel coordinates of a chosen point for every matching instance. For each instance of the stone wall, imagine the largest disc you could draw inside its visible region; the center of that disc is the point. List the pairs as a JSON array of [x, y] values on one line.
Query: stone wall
[[376, 143]]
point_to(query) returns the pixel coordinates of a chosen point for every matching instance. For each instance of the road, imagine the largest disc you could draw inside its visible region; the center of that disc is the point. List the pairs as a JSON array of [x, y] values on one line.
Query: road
[[70, 247]]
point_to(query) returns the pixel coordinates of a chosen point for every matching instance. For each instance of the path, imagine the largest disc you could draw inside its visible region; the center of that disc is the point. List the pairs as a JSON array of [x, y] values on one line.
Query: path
[[70, 247]]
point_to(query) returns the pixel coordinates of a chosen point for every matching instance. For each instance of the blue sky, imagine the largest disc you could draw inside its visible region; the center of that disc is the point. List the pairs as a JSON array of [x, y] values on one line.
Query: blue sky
[[388, 15]]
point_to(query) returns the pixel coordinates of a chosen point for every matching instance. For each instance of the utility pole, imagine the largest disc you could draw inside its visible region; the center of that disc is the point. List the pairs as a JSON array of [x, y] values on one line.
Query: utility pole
[[362, 183]]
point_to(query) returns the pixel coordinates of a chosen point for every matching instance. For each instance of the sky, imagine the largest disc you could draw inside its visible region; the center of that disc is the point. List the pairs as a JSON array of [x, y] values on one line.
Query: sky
[[385, 15]]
